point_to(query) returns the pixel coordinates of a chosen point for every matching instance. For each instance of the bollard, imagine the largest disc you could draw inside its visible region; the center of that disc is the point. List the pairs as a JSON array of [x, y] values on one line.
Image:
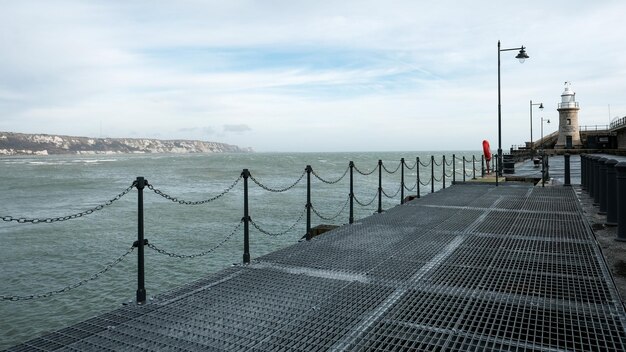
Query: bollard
[[380, 186], [496, 164], [620, 169], [140, 183], [443, 171], [246, 218], [417, 170], [583, 174], [567, 170], [351, 218], [596, 181], [402, 181], [432, 174], [611, 193], [308, 202], [602, 186], [591, 160], [473, 167]]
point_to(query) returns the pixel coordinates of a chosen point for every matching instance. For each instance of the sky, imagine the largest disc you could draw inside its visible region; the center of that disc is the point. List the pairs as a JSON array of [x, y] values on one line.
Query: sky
[[308, 76]]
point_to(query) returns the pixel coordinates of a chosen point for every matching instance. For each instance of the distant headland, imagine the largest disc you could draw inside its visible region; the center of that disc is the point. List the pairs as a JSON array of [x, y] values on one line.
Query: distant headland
[[46, 144]]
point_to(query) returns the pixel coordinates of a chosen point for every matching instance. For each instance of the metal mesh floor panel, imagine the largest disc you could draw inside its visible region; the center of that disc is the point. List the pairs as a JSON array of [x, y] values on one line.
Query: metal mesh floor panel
[[469, 268]]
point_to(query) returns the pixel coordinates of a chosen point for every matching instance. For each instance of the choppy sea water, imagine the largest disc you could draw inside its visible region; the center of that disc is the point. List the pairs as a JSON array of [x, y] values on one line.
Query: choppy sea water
[[36, 258]]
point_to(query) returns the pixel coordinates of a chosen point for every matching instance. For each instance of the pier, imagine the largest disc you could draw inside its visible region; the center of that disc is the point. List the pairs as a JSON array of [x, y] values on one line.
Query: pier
[[470, 267]]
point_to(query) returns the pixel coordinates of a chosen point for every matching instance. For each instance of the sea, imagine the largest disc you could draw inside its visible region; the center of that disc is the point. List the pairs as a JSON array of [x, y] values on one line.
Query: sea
[[57, 273]]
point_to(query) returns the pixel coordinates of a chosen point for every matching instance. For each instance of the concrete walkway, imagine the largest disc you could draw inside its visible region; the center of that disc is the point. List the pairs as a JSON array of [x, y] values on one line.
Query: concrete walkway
[[470, 268]]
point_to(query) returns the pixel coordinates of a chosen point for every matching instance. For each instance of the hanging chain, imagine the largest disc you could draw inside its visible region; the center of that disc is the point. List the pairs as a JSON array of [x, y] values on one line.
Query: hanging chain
[[278, 190], [411, 167], [187, 202], [23, 220], [365, 173], [425, 165], [365, 204], [394, 171], [393, 196], [425, 184], [331, 218], [412, 188], [70, 287], [276, 234], [186, 256], [330, 182]]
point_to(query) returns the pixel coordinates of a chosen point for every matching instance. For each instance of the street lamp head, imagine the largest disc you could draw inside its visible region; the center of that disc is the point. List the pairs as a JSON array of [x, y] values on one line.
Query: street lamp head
[[541, 106], [522, 56]]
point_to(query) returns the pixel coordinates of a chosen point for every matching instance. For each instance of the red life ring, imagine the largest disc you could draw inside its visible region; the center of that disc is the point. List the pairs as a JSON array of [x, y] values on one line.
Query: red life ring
[[486, 150]]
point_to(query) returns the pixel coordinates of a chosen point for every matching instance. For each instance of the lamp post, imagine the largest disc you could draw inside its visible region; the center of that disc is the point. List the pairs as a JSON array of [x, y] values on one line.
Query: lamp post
[[543, 155], [531, 124], [522, 56]]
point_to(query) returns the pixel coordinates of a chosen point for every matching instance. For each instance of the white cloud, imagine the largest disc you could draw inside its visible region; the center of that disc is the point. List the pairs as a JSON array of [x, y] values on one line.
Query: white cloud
[[323, 75]]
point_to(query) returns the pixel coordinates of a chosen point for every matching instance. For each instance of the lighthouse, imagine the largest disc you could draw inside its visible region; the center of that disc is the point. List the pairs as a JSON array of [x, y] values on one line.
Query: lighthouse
[[569, 135]]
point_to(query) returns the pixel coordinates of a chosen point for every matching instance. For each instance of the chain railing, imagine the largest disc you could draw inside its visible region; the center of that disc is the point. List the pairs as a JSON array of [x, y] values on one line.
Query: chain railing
[[199, 202], [70, 287], [141, 183], [24, 220]]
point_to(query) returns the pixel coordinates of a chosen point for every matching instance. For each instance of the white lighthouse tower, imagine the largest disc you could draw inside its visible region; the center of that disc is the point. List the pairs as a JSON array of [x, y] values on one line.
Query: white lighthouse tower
[[569, 135]]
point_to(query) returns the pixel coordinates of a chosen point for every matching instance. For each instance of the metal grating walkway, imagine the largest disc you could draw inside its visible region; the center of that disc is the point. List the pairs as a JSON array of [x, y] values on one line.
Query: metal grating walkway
[[469, 268]]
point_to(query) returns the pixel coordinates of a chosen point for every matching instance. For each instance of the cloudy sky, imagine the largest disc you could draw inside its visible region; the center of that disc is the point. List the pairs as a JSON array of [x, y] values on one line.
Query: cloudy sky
[[307, 75]]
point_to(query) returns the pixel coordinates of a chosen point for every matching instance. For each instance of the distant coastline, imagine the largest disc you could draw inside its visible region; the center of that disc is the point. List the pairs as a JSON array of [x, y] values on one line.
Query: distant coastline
[[46, 144]]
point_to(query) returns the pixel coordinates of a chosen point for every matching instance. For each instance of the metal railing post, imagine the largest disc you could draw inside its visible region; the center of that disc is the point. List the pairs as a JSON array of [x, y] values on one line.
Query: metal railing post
[[463, 168], [443, 171], [620, 168], [402, 181], [567, 170], [432, 174], [246, 218], [482, 166], [611, 193], [140, 183], [308, 202], [417, 170], [473, 167], [453, 169], [351, 218], [380, 186]]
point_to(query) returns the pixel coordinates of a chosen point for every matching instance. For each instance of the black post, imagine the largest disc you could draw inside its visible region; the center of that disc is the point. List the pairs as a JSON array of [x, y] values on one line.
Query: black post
[[567, 170], [496, 163], [308, 202], [380, 186], [432, 174], [611, 193], [351, 219], [602, 186], [591, 160], [453, 169], [402, 181], [246, 218], [474, 167], [417, 170], [543, 169], [583, 174], [482, 166], [463, 168], [140, 183], [620, 168], [596, 180], [443, 171]]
